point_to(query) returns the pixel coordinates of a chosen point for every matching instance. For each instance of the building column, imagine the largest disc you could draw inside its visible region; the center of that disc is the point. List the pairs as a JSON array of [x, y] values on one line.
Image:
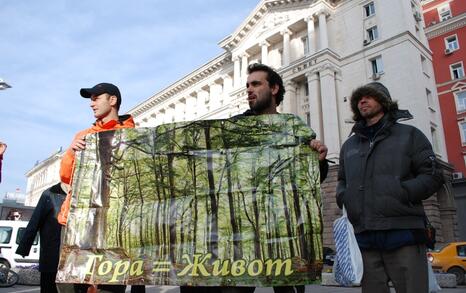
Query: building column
[[286, 46], [244, 68], [215, 95], [331, 132], [289, 100], [160, 117], [323, 32], [236, 72], [152, 119], [264, 52], [311, 44], [180, 110], [315, 106], [227, 88], [202, 97], [191, 107], [169, 114]]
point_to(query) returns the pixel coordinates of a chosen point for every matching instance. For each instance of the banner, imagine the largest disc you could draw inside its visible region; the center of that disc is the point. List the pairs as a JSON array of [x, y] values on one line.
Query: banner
[[232, 202]]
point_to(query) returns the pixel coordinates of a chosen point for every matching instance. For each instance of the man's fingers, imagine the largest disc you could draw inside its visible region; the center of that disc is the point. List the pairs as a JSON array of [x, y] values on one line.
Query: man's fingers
[[320, 148], [78, 145]]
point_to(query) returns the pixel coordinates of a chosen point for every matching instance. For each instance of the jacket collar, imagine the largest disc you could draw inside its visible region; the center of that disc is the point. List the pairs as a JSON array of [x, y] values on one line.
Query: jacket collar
[[122, 120], [387, 120]]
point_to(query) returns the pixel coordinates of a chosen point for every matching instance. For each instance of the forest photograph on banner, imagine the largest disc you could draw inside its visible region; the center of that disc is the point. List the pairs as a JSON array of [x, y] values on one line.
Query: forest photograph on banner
[[232, 202]]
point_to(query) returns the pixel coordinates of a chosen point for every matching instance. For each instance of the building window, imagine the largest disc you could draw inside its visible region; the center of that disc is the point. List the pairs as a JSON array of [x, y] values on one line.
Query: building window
[[463, 132], [372, 33], [377, 65], [435, 145], [424, 65], [430, 101], [457, 70], [369, 9], [451, 43], [460, 101], [305, 45], [444, 12]]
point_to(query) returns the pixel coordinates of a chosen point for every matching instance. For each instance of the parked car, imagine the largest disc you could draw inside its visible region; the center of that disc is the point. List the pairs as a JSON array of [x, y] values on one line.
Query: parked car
[[450, 259], [10, 235]]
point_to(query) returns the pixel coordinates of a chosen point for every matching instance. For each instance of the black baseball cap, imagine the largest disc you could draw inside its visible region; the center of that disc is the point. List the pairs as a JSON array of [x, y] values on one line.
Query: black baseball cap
[[102, 88]]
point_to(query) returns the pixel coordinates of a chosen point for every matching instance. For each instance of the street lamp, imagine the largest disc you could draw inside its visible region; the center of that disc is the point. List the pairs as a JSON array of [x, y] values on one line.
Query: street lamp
[[4, 85]]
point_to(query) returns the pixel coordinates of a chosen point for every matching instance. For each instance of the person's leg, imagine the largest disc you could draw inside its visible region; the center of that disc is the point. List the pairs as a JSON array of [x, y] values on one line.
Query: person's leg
[[407, 268], [80, 288], [111, 288], [47, 282], [374, 278], [138, 289]]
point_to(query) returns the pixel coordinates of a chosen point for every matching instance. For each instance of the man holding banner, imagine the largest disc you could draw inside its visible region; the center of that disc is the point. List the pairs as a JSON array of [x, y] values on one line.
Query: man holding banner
[[213, 205], [265, 92], [105, 101]]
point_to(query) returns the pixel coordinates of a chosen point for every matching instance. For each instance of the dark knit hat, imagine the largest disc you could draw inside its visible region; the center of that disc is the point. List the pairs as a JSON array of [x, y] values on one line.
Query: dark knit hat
[[375, 90]]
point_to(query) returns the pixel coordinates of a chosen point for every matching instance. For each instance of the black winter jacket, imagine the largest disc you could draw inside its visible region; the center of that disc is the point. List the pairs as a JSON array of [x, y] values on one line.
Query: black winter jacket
[[44, 220], [382, 183]]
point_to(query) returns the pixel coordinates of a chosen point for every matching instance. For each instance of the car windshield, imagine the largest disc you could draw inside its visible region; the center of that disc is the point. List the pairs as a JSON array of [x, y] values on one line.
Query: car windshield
[[5, 234]]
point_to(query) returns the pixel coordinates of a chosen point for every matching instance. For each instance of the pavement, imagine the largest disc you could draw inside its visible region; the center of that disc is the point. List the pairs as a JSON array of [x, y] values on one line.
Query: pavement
[[172, 289]]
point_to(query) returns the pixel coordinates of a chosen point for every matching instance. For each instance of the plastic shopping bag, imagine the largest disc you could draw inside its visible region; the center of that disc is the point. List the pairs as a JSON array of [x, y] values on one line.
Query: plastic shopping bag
[[433, 285], [348, 267]]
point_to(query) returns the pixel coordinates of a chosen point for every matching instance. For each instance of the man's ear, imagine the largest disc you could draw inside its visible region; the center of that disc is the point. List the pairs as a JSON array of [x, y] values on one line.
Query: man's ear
[[275, 89], [113, 100]]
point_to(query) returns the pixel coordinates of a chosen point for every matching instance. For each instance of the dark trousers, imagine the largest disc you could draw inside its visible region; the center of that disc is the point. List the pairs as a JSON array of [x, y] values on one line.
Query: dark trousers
[[138, 289], [406, 267], [47, 282]]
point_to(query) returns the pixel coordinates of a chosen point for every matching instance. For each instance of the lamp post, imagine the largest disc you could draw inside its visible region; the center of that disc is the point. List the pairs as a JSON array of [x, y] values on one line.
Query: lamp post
[[4, 85]]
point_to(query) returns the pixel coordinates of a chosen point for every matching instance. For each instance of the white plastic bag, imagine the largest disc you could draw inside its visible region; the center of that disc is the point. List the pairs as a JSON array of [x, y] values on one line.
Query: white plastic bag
[[348, 266], [433, 285]]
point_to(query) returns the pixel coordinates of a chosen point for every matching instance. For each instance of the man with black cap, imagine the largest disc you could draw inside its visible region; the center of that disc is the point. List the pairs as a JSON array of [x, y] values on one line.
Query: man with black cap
[[386, 170], [105, 100]]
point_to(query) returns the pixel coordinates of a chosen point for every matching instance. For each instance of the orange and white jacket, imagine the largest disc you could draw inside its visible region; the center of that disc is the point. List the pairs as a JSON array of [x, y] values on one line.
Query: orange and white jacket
[[68, 160]]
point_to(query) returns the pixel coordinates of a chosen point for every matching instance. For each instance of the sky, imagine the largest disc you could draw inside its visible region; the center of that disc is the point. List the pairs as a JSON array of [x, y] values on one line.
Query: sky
[[51, 49]]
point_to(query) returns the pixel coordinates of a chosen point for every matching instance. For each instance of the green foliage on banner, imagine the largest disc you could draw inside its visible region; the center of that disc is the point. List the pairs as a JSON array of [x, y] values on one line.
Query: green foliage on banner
[[214, 202]]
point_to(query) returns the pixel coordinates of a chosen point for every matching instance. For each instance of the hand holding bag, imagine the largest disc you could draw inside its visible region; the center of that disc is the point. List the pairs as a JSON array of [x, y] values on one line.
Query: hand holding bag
[[348, 267]]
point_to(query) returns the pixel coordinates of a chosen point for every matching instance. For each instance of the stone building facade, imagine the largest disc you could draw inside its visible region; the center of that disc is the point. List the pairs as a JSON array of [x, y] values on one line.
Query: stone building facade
[[446, 33], [323, 49], [42, 176]]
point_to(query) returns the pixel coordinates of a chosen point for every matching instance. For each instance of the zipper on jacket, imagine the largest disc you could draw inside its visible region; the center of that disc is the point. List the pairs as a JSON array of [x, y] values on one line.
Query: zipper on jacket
[[369, 151]]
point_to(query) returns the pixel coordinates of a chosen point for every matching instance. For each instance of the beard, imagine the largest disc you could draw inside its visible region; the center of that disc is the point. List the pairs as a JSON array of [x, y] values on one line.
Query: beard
[[261, 104]]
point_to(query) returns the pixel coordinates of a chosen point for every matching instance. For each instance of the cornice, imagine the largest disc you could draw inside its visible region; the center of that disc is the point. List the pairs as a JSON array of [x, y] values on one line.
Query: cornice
[[182, 84], [231, 41], [57, 155], [446, 26]]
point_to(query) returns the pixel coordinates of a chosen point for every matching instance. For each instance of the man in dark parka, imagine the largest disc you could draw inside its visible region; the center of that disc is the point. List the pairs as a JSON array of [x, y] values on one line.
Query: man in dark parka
[[386, 170]]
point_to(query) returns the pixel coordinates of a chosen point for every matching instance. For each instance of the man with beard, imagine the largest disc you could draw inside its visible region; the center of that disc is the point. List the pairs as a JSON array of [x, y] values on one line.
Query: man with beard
[[386, 170], [265, 93]]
